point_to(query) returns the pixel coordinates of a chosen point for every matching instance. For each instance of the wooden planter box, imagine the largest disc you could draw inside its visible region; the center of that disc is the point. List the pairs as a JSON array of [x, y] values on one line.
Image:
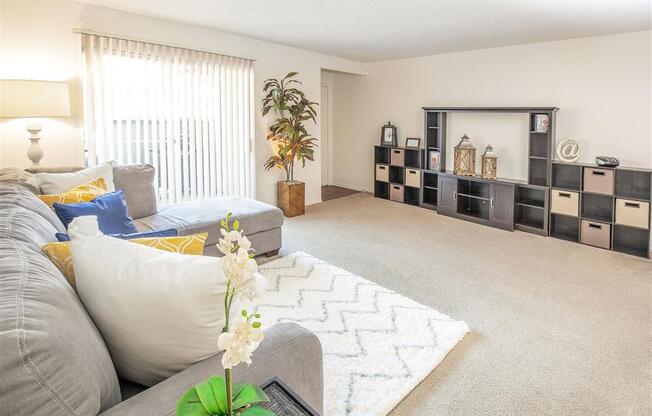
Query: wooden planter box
[[291, 198]]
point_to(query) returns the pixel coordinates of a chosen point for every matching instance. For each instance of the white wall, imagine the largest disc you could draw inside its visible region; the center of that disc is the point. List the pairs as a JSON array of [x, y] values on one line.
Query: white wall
[[602, 85], [37, 41]]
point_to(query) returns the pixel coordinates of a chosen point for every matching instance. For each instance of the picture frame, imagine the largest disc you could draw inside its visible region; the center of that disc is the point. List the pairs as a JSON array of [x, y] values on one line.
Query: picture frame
[[434, 160], [413, 142], [388, 135]]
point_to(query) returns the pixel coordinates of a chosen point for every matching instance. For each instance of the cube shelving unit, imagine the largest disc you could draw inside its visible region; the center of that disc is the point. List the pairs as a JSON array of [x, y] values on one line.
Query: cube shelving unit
[[598, 206]]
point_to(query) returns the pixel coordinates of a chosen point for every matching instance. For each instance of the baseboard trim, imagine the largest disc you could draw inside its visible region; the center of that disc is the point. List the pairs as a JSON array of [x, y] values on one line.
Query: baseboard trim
[[349, 186]]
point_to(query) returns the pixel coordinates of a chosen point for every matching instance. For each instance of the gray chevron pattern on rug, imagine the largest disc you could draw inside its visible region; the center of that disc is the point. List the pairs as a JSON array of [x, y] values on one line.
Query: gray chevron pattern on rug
[[378, 345]]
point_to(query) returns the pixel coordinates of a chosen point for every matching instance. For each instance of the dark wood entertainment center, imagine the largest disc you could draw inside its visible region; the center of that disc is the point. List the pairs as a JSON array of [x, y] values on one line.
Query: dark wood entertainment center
[[599, 206]]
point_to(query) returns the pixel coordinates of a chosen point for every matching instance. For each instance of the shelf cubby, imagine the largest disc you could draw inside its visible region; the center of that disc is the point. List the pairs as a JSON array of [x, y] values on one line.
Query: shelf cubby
[[381, 155], [633, 184], [473, 189], [429, 197], [538, 172], [396, 175], [430, 180], [413, 158], [532, 217], [433, 119], [533, 197], [566, 176], [565, 227], [630, 240], [597, 207], [473, 207], [411, 196], [539, 145], [381, 189]]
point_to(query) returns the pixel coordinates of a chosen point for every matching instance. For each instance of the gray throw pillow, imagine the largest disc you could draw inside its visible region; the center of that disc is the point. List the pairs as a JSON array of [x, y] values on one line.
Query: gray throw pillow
[[137, 183]]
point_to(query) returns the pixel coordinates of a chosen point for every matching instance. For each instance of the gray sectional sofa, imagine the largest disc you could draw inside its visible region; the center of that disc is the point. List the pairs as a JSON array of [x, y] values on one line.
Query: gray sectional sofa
[[260, 222], [53, 360]]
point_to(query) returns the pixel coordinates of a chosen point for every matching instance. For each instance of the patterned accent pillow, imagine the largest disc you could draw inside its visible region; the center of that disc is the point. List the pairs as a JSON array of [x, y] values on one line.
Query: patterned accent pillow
[[59, 253], [82, 193]]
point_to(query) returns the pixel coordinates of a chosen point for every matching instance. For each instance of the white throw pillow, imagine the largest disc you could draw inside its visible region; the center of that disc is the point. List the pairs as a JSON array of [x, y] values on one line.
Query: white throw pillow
[[158, 312], [57, 183]]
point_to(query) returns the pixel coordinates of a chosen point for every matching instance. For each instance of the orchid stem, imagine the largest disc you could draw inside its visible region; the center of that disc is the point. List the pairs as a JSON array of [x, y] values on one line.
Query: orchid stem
[[229, 399]]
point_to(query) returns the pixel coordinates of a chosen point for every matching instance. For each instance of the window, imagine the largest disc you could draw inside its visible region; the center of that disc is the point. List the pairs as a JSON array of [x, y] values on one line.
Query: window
[[188, 113]]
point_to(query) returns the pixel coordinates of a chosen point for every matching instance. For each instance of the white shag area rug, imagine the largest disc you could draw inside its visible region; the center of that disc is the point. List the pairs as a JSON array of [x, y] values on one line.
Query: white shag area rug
[[378, 345]]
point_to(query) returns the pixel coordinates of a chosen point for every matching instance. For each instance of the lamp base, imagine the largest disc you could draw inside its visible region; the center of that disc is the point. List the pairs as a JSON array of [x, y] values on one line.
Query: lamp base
[[34, 151]]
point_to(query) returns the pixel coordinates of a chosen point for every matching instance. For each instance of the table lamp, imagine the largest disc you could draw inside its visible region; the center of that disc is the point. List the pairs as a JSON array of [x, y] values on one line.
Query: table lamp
[[30, 98]]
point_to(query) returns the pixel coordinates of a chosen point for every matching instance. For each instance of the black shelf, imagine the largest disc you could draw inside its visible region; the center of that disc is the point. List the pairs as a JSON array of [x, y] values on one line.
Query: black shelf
[[473, 189], [566, 176], [634, 184], [429, 197], [397, 175], [530, 204], [413, 158], [411, 195], [473, 207], [381, 189], [597, 207], [531, 196], [538, 172], [533, 217], [565, 227], [381, 155], [511, 204], [630, 240]]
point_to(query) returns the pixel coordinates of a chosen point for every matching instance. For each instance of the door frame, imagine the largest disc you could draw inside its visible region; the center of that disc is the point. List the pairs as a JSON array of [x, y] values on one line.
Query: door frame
[[327, 142]]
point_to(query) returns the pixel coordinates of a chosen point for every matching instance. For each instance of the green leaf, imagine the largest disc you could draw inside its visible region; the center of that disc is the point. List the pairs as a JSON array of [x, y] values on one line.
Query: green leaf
[[249, 394], [257, 411], [212, 394], [190, 405], [236, 225]]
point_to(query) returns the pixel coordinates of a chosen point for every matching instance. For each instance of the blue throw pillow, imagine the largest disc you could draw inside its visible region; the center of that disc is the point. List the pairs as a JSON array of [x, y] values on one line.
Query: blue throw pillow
[[145, 234], [110, 210]]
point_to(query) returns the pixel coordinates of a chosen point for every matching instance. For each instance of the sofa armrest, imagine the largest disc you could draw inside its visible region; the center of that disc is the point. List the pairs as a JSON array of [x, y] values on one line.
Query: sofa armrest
[[288, 351]]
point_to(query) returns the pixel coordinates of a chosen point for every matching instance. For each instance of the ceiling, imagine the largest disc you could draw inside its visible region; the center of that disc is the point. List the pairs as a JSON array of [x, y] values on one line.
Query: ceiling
[[377, 30]]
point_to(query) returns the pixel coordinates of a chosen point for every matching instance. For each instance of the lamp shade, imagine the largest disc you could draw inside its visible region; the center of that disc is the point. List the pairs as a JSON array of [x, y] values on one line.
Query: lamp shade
[[28, 98]]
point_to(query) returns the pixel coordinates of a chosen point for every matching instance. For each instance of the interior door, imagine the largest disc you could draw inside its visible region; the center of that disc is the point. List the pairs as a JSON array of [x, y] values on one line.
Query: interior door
[[447, 195], [501, 211]]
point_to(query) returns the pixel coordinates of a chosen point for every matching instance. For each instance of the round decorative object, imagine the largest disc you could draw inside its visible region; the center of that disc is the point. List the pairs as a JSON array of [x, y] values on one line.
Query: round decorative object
[[568, 150]]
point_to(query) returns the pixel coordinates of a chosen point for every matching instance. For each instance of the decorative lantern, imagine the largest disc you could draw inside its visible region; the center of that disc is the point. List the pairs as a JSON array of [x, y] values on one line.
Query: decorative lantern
[[489, 163], [464, 157]]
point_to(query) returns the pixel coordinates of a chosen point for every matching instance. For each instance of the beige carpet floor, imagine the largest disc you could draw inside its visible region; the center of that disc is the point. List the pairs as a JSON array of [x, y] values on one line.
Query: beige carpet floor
[[557, 328]]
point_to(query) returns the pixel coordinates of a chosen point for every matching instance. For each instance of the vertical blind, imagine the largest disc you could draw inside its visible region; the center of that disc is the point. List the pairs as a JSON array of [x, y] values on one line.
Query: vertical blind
[[188, 113]]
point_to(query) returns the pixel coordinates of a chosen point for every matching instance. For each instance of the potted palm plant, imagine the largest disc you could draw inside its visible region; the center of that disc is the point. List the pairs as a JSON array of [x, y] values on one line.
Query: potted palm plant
[[291, 140]]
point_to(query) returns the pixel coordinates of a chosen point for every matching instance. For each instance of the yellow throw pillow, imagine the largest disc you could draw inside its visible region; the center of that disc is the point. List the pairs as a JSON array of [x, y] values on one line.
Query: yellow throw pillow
[[82, 193], [59, 253]]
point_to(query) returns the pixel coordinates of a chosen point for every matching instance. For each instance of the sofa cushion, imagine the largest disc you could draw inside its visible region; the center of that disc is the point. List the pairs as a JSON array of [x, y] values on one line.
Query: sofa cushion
[[26, 226], [57, 183], [110, 210], [59, 253], [62, 237], [18, 176], [82, 193], [159, 312], [15, 195], [53, 360], [137, 182], [194, 217]]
